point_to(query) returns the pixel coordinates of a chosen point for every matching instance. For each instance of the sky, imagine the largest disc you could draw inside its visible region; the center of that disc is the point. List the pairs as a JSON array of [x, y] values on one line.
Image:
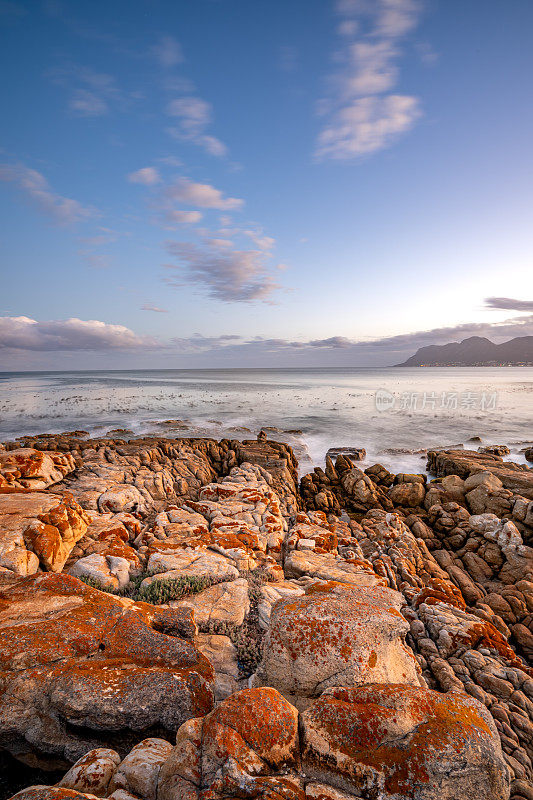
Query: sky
[[225, 183]]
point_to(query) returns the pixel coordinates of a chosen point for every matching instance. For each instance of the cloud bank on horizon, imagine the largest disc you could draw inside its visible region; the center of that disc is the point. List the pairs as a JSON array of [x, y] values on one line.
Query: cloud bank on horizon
[[333, 189], [19, 334]]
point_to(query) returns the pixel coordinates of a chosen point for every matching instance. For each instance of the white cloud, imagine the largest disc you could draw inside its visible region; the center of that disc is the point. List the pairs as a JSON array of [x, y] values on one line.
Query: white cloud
[[168, 52], [233, 276], [63, 210], [263, 242], [367, 125], [195, 115], [370, 69], [147, 176], [362, 118], [24, 333], [201, 195], [176, 216]]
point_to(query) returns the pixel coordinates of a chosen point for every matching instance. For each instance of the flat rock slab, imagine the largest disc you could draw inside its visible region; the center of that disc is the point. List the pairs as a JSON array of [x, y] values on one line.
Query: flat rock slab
[[516, 477]]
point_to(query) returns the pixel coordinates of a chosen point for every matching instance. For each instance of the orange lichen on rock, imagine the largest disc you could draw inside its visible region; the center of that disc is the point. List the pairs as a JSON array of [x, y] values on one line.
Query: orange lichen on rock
[[395, 740], [71, 655]]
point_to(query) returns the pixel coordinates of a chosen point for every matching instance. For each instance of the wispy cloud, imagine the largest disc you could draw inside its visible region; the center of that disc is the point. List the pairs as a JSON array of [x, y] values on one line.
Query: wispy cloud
[[233, 276], [62, 210], [194, 116], [167, 51], [363, 114], [146, 176], [24, 333], [150, 307], [509, 303], [201, 195], [91, 93]]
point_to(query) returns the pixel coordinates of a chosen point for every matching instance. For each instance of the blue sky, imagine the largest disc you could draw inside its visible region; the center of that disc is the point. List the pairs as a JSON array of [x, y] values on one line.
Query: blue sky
[[226, 182]]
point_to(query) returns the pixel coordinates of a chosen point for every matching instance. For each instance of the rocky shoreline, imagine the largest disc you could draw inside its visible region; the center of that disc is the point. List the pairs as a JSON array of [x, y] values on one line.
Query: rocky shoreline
[[187, 619]]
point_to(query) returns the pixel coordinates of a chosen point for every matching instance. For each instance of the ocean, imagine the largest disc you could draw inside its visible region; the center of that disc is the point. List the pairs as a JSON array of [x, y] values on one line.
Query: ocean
[[392, 413]]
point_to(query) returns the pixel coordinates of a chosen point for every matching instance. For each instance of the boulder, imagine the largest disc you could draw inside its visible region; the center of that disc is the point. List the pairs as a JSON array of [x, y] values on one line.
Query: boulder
[[329, 567], [138, 773], [80, 668], [225, 602], [335, 635], [190, 563], [399, 742], [49, 525], [235, 751], [92, 772], [27, 468]]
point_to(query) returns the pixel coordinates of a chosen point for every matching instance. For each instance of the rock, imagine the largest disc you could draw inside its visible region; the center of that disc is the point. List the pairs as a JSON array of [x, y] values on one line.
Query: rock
[[495, 449], [407, 494], [528, 453], [109, 571], [224, 602], [353, 453], [190, 563], [397, 742], [235, 751], [47, 524], [122, 498], [271, 593], [78, 664], [92, 772], [329, 567], [335, 635], [139, 771], [27, 468], [516, 477], [222, 655]]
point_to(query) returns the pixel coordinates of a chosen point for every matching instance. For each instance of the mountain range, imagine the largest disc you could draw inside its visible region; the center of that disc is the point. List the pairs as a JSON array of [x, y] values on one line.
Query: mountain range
[[476, 351]]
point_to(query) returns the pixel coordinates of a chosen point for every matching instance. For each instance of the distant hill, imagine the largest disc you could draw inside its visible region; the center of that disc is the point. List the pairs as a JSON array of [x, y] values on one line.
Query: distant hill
[[474, 352]]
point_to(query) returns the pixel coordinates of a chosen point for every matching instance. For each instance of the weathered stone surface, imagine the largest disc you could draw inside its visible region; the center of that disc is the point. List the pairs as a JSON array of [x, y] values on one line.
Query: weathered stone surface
[[222, 655], [138, 773], [46, 524], [92, 772], [516, 477], [329, 567], [335, 635], [397, 742], [224, 602], [77, 664], [191, 563], [237, 747], [27, 468]]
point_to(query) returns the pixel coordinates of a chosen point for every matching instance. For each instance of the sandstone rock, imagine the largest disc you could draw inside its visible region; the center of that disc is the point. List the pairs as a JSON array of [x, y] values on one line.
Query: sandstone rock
[[403, 742], [138, 773], [109, 571], [271, 593], [77, 664], [92, 772], [335, 635], [222, 655], [235, 751], [191, 563], [224, 602], [329, 567], [122, 498], [47, 524], [32, 469], [407, 494], [516, 477]]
